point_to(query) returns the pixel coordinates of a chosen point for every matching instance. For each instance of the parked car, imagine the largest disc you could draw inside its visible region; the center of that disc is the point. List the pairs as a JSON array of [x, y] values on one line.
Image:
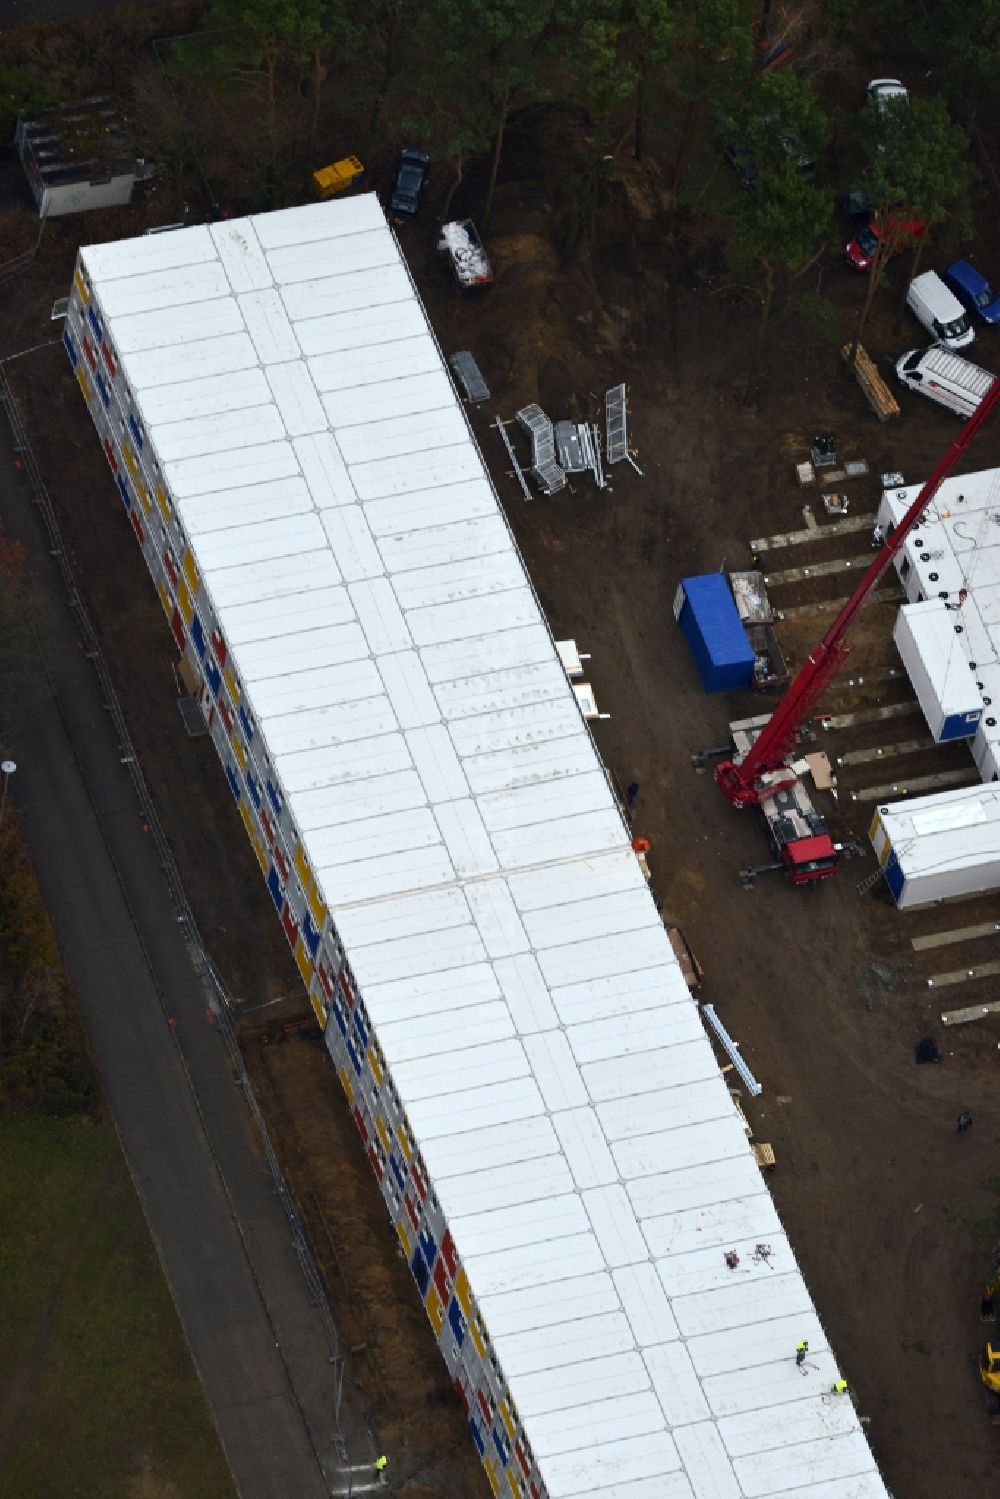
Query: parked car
[[973, 290], [470, 264], [940, 311], [856, 205], [412, 172], [796, 152], [861, 250], [743, 160], [882, 91]]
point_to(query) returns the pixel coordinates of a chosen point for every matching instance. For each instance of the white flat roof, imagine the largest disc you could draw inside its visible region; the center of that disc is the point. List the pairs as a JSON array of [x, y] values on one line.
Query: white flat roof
[[943, 653], [551, 1061], [945, 830], [958, 547]]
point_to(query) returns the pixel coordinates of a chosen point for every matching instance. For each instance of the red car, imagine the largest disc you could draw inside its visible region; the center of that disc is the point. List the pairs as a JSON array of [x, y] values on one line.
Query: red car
[[863, 247]]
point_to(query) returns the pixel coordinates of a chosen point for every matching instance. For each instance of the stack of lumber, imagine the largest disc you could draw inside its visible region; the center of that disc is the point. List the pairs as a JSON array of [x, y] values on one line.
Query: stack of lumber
[[880, 397]]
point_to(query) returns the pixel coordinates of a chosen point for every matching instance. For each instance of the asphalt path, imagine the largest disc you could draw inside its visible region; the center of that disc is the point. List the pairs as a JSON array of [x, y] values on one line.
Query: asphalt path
[[32, 12], [217, 1224]]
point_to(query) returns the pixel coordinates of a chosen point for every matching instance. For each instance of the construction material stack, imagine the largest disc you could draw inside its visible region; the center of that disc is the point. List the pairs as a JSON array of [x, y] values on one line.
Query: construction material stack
[[558, 1153]]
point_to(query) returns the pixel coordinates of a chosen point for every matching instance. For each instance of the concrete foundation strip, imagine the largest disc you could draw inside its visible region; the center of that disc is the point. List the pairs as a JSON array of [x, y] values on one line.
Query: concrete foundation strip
[[869, 715], [819, 570], [813, 533], [962, 976], [881, 596], [915, 783], [957, 934], [974, 1012], [885, 751]]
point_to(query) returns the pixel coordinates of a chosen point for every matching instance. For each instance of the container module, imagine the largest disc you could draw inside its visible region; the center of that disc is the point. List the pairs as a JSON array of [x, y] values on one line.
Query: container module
[[939, 846], [932, 644], [79, 156], [986, 745], [952, 561], [706, 611], [559, 1156]]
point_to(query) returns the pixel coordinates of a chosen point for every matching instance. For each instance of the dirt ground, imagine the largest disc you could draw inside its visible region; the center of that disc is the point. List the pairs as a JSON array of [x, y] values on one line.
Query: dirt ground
[[891, 1213]]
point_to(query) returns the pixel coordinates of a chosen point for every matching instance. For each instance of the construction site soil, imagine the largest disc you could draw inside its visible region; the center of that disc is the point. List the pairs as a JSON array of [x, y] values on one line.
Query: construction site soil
[[890, 1211]]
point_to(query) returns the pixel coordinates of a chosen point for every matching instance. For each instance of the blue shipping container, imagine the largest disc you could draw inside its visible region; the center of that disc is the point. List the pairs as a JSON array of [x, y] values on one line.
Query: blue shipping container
[[710, 621]]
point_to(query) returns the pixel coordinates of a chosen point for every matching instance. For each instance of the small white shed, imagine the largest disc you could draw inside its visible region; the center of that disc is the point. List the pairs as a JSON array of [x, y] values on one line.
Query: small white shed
[[78, 157]]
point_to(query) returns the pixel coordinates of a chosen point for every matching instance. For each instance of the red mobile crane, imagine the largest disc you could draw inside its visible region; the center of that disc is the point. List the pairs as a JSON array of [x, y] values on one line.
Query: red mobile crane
[[759, 775]]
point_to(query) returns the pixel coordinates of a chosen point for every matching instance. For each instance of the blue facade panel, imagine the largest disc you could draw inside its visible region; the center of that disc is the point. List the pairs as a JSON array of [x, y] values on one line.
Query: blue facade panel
[[713, 629], [959, 726], [894, 877]]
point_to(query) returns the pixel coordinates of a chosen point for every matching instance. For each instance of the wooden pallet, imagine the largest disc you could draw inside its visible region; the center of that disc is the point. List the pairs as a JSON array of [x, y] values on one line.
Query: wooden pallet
[[764, 1156], [880, 397]]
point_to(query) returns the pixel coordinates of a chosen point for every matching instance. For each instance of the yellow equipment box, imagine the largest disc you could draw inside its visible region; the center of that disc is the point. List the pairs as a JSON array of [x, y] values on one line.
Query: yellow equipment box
[[338, 177]]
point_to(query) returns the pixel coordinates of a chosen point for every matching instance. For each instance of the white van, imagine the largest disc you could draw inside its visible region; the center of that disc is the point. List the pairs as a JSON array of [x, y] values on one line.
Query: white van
[[940, 311], [946, 377]]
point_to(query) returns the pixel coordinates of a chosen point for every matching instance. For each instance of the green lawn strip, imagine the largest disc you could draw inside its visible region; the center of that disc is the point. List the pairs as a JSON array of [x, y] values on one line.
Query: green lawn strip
[[96, 1383]]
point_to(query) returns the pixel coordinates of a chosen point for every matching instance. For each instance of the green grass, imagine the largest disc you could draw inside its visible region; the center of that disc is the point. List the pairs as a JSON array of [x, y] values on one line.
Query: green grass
[[98, 1395]]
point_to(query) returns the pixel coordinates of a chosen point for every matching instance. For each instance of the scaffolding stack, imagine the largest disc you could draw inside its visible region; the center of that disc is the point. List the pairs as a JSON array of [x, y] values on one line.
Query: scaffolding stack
[[544, 467]]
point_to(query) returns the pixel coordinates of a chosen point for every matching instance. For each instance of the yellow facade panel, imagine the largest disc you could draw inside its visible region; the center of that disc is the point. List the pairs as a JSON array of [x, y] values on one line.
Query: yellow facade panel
[[184, 603], [435, 1309], [375, 1062], [404, 1238], [303, 962], [190, 572]]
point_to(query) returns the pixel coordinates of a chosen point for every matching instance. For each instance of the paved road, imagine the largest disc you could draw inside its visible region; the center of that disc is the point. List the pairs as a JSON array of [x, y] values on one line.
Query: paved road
[[29, 12], [217, 1225]]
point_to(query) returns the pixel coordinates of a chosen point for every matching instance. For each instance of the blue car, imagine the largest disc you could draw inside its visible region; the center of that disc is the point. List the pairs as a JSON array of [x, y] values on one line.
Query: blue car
[[973, 290]]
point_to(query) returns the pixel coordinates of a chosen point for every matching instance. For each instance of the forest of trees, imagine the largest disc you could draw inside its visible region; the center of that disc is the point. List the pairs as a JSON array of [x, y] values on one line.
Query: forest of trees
[[647, 76], [296, 83]]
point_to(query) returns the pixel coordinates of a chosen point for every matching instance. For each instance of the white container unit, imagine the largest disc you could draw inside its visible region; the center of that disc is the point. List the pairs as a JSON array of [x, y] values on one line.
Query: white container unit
[[559, 1155], [939, 846], [934, 654], [986, 745]]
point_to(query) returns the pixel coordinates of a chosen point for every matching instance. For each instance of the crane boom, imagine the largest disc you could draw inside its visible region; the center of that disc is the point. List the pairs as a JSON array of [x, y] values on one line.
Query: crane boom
[[739, 780]]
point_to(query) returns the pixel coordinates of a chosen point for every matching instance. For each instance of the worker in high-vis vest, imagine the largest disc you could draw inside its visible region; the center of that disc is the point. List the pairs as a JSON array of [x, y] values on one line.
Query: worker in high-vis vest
[[381, 1463], [840, 1388], [801, 1349]]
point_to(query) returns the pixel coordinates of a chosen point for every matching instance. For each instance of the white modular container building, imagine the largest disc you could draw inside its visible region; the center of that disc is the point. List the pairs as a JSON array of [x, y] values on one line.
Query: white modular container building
[[939, 846], [937, 662], [558, 1152], [986, 745], [953, 556]]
